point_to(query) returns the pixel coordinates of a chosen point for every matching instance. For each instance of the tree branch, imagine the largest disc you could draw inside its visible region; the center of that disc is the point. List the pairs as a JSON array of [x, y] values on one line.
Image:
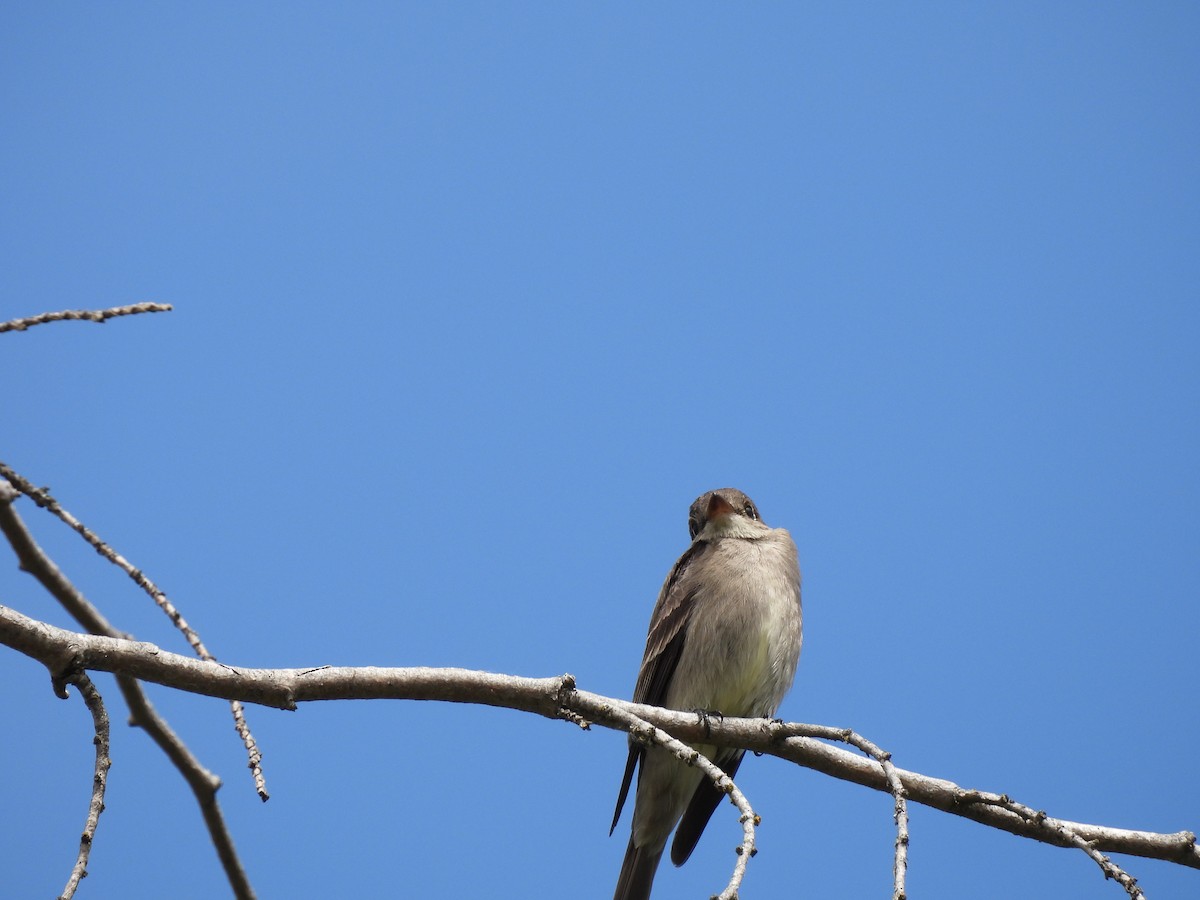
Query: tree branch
[[204, 783], [642, 731], [61, 651], [41, 496], [95, 704], [86, 315]]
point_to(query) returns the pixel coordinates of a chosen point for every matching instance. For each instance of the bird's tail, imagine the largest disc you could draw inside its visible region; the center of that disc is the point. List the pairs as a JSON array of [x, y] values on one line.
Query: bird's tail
[[637, 872]]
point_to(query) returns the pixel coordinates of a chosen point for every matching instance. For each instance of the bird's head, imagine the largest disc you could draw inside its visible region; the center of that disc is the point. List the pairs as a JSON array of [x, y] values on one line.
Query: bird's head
[[725, 512]]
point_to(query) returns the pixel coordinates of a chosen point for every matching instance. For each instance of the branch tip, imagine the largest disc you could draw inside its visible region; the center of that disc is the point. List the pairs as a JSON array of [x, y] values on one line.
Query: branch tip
[[100, 316]]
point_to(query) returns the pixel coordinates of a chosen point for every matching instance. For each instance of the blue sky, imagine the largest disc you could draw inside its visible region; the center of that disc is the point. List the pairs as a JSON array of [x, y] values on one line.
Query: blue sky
[[471, 301]]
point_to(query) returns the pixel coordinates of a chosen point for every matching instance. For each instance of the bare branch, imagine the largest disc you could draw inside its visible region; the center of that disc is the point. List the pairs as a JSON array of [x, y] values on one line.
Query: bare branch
[[61, 650], [95, 704], [1107, 866], [798, 747], [42, 497], [204, 783], [253, 754], [642, 731], [899, 795], [86, 315]]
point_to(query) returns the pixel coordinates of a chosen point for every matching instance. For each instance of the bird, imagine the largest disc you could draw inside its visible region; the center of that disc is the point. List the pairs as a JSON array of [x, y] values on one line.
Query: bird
[[724, 639]]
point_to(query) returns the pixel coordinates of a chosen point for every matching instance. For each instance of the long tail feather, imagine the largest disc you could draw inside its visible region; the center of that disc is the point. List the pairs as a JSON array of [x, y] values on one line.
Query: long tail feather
[[637, 873]]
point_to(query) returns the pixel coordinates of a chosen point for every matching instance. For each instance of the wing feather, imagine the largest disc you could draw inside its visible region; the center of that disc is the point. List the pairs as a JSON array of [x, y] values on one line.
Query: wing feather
[[664, 643]]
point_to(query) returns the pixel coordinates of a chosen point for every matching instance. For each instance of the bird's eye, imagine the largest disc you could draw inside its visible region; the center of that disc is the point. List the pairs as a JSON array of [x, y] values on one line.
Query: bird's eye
[[693, 527], [751, 511]]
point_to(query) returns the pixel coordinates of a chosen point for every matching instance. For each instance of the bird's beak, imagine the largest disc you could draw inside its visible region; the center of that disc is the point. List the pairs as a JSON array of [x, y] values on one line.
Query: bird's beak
[[717, 506]]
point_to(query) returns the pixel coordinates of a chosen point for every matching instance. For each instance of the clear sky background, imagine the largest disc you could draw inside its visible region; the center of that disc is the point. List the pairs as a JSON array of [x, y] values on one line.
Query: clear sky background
[[472, 300]]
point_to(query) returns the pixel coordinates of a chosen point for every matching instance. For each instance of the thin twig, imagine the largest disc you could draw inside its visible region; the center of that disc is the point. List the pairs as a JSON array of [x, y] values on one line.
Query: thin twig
[[95, 704], [782, 730], [900, 814], [1107, 866], [204, 783], [643, 732], [42, 497], [86, 315], [1067, 832]]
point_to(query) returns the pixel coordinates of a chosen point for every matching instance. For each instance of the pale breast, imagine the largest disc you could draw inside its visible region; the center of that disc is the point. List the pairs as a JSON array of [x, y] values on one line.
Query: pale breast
[[743, 639]]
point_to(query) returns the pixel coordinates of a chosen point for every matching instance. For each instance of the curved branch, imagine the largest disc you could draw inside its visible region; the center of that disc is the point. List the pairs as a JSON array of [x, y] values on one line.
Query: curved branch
[[95, 704], [900, 809], [61, 650], [1107, 866], [642, 731], [799, 747]]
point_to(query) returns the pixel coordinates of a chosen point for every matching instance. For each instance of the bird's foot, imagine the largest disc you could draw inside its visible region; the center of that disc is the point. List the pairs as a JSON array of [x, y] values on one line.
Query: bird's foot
[[704, 715]]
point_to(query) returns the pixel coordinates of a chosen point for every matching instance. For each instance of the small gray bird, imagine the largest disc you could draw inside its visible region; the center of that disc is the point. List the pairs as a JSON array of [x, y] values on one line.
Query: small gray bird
[[724, 638]]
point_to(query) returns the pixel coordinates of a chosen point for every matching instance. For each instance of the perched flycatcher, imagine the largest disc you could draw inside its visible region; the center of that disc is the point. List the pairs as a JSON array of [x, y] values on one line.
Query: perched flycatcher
[[724, 638]]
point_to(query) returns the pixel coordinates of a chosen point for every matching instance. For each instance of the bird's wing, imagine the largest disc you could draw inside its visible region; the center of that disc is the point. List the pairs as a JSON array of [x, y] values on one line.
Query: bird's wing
[[675, 603], [663, 646]]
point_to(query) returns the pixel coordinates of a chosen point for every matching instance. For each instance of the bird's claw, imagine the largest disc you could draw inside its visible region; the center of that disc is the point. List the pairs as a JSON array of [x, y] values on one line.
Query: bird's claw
[[705, 714]]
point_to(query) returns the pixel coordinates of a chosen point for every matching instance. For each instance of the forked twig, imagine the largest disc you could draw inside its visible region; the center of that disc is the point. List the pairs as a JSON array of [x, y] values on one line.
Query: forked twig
[[781, 730], [1107, 866], [642, 731], [43, 498], [204, 783]]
